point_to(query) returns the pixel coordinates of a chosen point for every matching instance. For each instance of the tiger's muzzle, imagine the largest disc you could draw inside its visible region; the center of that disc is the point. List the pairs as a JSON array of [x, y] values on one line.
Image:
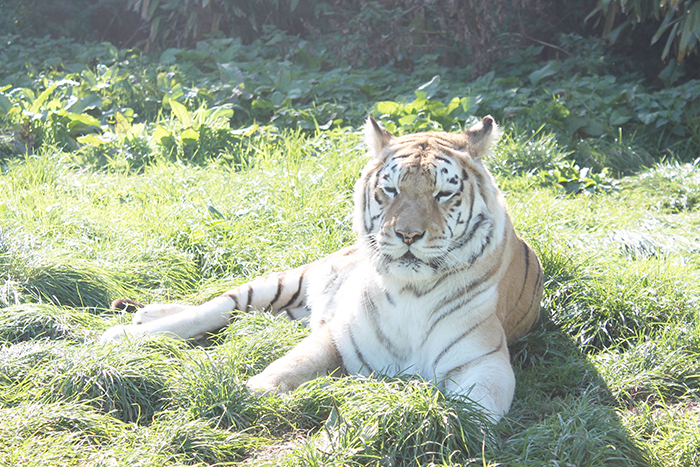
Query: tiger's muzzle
[[409, 237]]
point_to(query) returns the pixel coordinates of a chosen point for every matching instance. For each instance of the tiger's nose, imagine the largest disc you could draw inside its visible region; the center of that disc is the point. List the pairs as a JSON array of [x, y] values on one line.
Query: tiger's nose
[[409, 237]]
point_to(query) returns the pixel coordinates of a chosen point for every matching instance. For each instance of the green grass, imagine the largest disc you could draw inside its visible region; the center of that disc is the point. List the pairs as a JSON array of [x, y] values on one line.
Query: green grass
[[610, 378]]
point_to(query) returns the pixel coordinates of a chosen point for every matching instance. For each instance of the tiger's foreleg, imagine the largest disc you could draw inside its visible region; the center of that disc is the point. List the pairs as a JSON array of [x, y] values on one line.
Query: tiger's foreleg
[[488, 380], [315, 356], [275, 293]]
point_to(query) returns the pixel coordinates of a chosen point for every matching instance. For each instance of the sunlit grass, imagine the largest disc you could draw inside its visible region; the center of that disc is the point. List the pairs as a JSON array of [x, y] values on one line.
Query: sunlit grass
[[609, 378]]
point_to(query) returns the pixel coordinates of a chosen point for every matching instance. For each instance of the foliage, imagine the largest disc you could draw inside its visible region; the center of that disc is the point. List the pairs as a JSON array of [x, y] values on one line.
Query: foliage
[[123, 103], [680, 18]]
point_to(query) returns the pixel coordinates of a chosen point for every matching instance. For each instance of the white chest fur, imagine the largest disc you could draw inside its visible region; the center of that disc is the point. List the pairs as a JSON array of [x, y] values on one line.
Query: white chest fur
[[392, 329]]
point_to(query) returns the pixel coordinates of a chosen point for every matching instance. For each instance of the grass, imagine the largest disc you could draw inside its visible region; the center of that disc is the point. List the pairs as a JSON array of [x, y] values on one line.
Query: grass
[[610, 378]]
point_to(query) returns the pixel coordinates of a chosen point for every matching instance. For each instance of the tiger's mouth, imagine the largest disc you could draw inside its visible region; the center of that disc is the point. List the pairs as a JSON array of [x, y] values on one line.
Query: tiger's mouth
[[409, 258]]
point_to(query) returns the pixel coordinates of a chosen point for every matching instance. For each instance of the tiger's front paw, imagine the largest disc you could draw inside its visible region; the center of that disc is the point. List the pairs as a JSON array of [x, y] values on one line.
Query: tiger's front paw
[[266, 384]]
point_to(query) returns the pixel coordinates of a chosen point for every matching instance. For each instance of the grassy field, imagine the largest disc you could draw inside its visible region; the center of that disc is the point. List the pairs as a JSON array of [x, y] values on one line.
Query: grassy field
[[610, 378]]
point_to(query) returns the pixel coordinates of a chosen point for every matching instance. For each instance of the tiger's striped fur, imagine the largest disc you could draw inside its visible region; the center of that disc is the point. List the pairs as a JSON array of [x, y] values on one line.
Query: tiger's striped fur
[[437, 284]]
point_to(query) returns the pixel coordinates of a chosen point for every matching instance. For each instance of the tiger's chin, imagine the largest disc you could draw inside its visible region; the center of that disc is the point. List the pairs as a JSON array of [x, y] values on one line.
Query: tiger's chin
[[406, 267]]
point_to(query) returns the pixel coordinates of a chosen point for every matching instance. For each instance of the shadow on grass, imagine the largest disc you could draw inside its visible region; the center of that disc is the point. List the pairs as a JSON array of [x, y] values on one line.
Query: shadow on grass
[[563, 411]]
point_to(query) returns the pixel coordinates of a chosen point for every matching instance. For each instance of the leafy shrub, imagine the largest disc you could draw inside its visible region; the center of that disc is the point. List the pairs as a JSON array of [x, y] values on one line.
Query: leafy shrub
[[680, 18]]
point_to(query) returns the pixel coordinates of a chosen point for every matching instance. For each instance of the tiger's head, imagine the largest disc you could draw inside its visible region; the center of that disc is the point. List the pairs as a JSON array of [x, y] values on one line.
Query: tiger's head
[[425, 204]]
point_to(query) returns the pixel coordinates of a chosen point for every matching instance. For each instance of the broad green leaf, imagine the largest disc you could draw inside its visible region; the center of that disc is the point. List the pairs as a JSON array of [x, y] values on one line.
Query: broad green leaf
[[262, 105], [429, 89], [189, 136], [36, 106], [665, 24], [161, 135], [230, 73], [122, 124], [326, 126], [594, 128], [669, 41], [210, 116], [551, 68], [575, 123], [89, 77], [455, 103], [245, 131], [417, 105], [5, 104], [181, 113], [647, 117], [169, 56], [619, 117], [408, 119], [92, 140], [78, 121], [386, 107], [84, 103]]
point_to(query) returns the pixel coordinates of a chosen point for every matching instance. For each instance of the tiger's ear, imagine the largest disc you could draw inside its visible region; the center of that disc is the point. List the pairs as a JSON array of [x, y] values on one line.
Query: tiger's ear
[[376, 137], [482, 137]]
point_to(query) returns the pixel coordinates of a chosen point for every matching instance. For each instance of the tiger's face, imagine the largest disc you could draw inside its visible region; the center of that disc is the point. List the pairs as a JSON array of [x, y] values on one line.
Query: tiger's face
[[422, 202]]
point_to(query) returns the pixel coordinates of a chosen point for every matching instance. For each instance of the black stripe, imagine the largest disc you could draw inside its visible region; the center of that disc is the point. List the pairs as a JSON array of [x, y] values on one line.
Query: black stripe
[[459, 221], [449, 273], [296, 294], [389, 298], [250, 297], [468, 234], [480, 183], [538, 285], [280, 285], [416, 291], [370, 227], [527, 268], [364, 197], [471, 207], [471, 329], [235, 300], [457, 296], [534, 295], [371, 311], [443, 159], [473, 361], [332, 278], [360, 357], [487, 241]]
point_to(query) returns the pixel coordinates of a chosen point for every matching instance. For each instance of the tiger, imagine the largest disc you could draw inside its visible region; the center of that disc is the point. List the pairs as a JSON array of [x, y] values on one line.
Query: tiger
[[437, 284]]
